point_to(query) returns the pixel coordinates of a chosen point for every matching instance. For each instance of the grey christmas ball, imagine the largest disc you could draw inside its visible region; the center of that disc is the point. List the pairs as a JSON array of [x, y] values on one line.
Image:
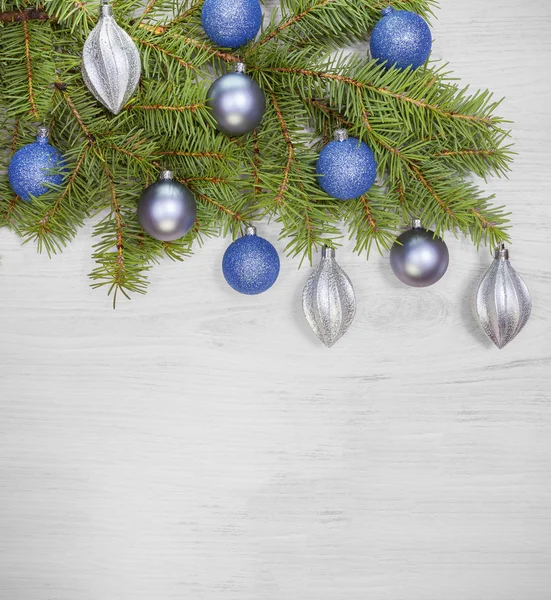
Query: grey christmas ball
[[237, 103], [167, 209], [418, 258]]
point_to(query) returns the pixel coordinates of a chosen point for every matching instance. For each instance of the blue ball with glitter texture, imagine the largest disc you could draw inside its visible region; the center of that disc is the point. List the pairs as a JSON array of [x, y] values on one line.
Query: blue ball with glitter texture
[[401, 39], [346, 167], [231, 23], [30, 167], [250, 264]]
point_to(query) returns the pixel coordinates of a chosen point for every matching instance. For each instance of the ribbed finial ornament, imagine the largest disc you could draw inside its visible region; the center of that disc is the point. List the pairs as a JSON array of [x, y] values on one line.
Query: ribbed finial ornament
[[328, 300], [502, 302], [111, 65]]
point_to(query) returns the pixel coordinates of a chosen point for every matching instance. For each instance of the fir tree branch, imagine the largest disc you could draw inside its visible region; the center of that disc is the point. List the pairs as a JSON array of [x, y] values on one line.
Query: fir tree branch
[[290, 22]]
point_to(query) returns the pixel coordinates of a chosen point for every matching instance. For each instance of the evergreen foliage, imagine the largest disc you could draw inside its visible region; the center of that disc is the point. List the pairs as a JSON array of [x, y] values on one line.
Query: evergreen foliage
[[428, 134]]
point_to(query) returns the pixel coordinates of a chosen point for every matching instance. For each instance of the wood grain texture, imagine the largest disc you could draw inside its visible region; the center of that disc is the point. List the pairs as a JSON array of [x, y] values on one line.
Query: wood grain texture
[[202, 445]]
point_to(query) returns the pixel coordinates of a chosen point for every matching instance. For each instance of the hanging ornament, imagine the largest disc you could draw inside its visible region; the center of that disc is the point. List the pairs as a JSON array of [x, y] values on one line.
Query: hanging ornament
[[502, 302], [418, 257], [30, 168], [401, 39], [250, 264], [110, 62], [237, 102], [346, 167], [167, 209], [231, 23], [328, 300]]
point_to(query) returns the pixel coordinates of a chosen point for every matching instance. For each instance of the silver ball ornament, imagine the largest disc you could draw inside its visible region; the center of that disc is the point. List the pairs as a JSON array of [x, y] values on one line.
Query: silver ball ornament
[[418, 257], [167, 209], [237, 103]]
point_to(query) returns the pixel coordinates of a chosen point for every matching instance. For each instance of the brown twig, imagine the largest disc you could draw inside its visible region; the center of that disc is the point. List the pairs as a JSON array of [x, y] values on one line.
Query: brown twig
[[33, 110], [20, 16], [290, 150]]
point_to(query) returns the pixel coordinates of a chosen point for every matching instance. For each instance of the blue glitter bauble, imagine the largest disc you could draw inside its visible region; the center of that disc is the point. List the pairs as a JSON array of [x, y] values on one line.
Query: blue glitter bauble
[[346, 167], [231, 23], [250, 264], [30, 168], [401, 39]]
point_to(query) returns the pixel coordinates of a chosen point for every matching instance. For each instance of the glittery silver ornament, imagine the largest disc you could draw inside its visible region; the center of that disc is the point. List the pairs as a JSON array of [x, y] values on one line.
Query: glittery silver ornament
[[418, 257], [110, 62], [167, 209], [237, 102], [328, 300], [502, 302]]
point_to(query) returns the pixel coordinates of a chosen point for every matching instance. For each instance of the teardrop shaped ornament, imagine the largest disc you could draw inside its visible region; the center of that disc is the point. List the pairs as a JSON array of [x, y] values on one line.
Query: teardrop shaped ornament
[[328, 300], [502, 304], [111, 64]]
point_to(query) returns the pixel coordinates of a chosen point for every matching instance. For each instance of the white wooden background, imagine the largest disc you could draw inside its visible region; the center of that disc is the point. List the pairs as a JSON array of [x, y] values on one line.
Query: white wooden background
[[197, 444]]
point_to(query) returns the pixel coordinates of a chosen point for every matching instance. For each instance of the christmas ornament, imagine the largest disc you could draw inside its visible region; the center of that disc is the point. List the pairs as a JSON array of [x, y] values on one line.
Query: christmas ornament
[[231, 23], [110, 62], [30, 168], [346, 167], [401, 39], [250, 264], [502, 302], [418, 258], [328, 300], [237, 102], [167, 209]]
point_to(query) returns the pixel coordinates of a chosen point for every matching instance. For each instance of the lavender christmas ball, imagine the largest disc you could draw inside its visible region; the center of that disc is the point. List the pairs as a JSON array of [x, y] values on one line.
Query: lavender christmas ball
[[346, 167], [401, 39], [231, 23], [167, 209], [31, 167], [418, 257], [250, 264]]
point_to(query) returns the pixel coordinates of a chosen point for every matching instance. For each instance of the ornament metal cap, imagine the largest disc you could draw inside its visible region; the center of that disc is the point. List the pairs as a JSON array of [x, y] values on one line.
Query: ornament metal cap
[[42, 133], [327, 252], [501, 252], [386, 11], [250, 230], [416, 224], [240, 67], [340, 135], [106, 8], [166, 175]]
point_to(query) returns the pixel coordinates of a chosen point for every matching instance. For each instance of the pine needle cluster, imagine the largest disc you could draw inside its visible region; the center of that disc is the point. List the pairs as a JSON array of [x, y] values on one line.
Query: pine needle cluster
[[428, 133]]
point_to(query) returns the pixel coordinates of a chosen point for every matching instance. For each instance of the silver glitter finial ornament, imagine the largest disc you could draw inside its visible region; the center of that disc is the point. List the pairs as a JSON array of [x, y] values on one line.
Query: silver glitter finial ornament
[[328, 299], [110, 62], [502, 302]]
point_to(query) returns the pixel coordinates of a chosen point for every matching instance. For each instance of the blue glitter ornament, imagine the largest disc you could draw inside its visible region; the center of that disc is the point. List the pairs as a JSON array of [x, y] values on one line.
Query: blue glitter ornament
[[231, 23], [401, 39], [30, 167], [250, 264], [346, 167]]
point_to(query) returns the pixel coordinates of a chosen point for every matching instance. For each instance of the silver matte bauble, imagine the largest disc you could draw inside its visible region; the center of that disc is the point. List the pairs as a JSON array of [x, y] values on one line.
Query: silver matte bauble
[[502, 302], [237, 102], [418, 257], [110, 62], [328, 300], [167, 209]]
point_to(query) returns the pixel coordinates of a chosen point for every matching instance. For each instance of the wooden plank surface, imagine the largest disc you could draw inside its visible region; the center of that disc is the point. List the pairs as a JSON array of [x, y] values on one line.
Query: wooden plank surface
[[201, 445]]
